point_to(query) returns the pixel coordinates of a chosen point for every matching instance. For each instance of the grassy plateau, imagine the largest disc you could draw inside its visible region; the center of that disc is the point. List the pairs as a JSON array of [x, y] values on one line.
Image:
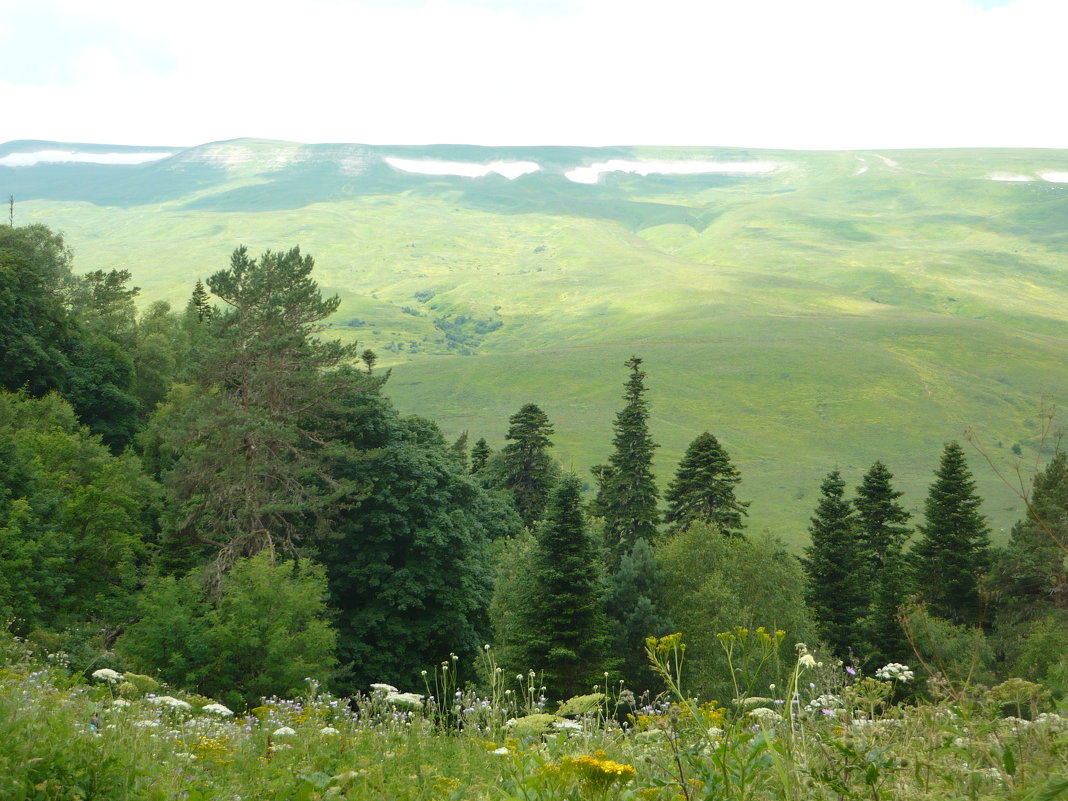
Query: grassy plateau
[[821, 311]]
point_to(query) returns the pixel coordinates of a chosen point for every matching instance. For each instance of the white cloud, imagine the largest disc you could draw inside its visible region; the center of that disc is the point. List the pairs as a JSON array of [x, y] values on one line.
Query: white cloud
[[67, 156], [763, 73], [509, 169], [592, 173]]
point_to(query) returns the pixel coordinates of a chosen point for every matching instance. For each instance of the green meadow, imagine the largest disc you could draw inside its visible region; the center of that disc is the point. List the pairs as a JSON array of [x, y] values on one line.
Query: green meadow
[[838, 309]]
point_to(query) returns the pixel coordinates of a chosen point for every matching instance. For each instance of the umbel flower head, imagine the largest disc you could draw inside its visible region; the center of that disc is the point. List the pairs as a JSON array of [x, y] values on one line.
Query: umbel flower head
[[108, 675], [895, 671]]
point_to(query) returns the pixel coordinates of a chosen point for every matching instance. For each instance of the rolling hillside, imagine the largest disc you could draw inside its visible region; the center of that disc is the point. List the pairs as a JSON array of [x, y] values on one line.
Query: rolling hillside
[[812, 309]]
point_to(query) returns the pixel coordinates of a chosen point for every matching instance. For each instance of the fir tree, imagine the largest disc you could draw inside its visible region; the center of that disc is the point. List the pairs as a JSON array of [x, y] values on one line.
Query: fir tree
[[635, 606], [882, 535], [1030, 572], [953, 550], [200, 303], [703, 488], [523, 467], [886, 637], [480, 454], [834, 566], [629, 495], [882, 519], [564, 615]]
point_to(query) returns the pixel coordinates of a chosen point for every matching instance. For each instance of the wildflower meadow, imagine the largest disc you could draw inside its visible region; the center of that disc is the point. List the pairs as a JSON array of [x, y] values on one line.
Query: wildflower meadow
[[822, 730]]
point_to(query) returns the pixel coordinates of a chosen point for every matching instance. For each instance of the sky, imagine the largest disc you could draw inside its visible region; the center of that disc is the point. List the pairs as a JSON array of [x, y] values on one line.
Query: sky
[[797, 74]]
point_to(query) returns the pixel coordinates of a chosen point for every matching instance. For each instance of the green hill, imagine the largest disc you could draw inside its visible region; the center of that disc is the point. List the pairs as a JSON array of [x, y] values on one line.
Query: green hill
[[833, 309]]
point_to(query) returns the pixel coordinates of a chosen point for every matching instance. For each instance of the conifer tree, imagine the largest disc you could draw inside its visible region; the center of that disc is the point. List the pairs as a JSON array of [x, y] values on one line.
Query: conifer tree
[[629, 495], [882, 533], [480, 454], [253, 472], [703, 488], [1030, 571], [564, 615], [523, 467], [834, 566], [953, 550], [886, 638], [882, 519], [635, 607]]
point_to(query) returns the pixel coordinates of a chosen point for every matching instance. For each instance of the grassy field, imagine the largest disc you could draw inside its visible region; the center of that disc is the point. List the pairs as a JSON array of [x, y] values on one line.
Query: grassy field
[[841, 308]]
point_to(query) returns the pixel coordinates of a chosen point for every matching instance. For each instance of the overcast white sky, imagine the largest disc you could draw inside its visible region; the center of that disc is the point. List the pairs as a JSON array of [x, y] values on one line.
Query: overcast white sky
[[753, 73]]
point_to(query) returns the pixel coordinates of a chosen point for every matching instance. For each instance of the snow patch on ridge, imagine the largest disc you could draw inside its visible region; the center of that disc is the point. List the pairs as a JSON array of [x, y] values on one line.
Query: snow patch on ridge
[[466, 169], [73, 156], [592, 173], [1055, 177], [1005, 176]]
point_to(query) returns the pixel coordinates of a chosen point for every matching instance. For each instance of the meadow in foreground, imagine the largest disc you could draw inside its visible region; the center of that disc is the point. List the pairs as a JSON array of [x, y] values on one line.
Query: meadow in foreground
[[822, 731]]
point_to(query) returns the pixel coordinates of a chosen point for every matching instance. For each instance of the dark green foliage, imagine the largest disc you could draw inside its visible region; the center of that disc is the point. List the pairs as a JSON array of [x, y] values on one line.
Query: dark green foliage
[[73, 517], [513, 588], [253, 466], [953, 550], [37, 331], [881, 518], [263, 636], [836, 588], [199, 305], [480, 455], [459, 449], [636, 595], [716, 583], [703, 488], [1030, 572], [628, 495], [408, 562], [1029, 578], [564, 616], [886, 638], [523, 467]]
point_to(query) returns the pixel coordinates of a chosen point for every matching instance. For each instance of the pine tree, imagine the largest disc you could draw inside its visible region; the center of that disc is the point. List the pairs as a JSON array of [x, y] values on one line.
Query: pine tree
[[703, 488], [523, 467], [629, 494], [834, 566], [953, 550], [882, 519], [254, 470], [565, 614], [480, 454]]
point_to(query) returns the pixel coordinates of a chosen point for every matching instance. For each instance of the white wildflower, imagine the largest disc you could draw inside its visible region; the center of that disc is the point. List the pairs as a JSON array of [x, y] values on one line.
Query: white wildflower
[[284, 731], [567, 725], [807, 660], [119, 703], [384, 688], [147, 724], [108, 675], [328, 731], [408, 700], [166, 700], [823, 702], [217, 709], [502, 751], [895, 670], [764, 715]]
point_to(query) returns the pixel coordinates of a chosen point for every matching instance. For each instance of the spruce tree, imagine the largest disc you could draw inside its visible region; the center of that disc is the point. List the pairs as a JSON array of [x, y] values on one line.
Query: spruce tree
[[629, 495], [834, 566], [635, 607], [1030, 572], [953, 550], [523, 467], [882, 533], [703, 488], [564, 615], [882, 519], [480, 454]]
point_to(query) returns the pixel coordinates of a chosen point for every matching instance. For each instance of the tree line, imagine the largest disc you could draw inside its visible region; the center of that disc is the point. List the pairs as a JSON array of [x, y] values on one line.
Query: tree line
[[221, 497]]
